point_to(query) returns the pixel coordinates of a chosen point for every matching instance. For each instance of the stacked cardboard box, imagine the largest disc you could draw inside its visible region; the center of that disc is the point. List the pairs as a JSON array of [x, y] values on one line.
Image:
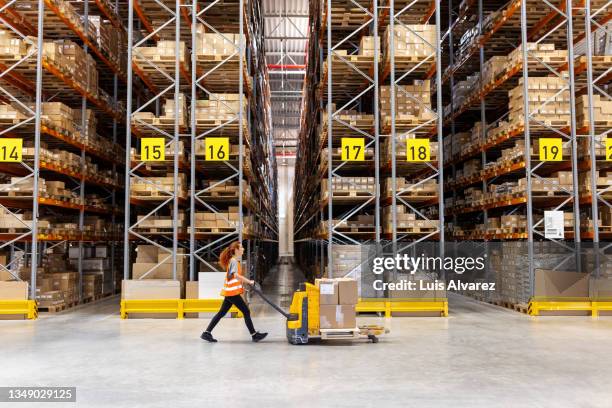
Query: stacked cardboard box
[[602, 111], [163, 55], [222, 44], [158, 186], [407, 187], [110, 41], [359, 223], [205, 221], [337, 300], [11, 47], [413, 40], [351, 186], [155, 263], [410, 100], [556, 112], [349, 116], [493, 68], [407, 221], [160, 222], [346, 259], [538, 52], [220, 107], [367, 46]]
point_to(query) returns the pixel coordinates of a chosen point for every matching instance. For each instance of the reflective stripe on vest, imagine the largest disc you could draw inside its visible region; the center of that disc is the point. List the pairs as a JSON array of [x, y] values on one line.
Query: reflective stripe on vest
[[233, 287]]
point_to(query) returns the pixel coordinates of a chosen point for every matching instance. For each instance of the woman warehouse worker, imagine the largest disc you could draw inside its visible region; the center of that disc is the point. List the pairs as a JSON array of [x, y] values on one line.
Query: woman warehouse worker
[[232, 291]]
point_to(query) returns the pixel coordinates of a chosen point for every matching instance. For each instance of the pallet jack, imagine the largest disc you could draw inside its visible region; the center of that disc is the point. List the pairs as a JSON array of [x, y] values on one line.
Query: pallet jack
[[303, 319]]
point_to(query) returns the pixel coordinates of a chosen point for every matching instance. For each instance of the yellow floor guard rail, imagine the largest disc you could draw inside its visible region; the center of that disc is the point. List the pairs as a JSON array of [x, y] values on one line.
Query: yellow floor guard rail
[[537, 305], [24, 307], [176, 306], [388, 306]]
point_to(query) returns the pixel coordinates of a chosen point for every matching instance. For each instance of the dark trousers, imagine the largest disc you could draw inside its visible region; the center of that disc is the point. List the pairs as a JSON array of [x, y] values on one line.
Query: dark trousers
[[237, 301]]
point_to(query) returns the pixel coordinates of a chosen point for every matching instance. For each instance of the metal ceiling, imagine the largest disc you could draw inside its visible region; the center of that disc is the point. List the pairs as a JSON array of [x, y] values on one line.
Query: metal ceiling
[[286, 31]]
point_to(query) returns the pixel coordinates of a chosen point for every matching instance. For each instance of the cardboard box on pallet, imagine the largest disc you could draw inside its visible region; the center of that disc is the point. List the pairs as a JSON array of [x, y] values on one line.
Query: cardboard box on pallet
[[337, 300], [13, 290], [337, 317], [328, 291]]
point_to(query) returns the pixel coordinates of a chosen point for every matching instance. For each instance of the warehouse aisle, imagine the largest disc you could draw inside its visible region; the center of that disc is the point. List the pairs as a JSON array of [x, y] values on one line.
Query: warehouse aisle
[[433, 361], [279, 285]]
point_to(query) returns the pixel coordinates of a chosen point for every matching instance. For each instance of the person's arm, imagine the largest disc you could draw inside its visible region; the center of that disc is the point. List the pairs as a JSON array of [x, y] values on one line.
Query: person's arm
[[233, 269]]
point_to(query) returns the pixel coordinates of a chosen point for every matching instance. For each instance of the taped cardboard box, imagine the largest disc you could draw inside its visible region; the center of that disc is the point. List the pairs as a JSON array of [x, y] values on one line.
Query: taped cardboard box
[[328, 291], [347, 291], [337, 317]]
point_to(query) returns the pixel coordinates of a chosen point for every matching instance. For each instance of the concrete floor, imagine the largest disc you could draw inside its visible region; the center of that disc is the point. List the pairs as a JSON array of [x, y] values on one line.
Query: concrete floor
[[481, 356]]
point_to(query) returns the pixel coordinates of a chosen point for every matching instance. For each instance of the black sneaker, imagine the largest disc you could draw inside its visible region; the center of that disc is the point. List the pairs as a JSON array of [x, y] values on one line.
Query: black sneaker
[[208, 337], [258, 336]]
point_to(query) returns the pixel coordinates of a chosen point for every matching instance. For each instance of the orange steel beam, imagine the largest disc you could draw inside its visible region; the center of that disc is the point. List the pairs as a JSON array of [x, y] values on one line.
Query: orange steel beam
[[145, 20], [85, 40], [24, 24], [430, 12]]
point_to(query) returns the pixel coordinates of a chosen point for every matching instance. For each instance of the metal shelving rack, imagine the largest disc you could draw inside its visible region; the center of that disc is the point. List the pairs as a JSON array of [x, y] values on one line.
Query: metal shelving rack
[[402, 13], [335, 38], [163, 84], [196, 80], [25, 80], [204, 246], [564, 25], [15, 95]]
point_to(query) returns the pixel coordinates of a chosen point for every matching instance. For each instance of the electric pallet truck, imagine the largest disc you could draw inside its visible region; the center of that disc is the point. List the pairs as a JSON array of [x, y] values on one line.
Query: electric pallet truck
[[303, 319]]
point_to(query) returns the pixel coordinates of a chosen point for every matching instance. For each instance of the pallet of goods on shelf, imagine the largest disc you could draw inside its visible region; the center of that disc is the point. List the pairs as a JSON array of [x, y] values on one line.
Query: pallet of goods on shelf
[[412, 105], [160, 224], [68, 57], [218, 222], [548, 103], [407, 222], [349, 188], [224, 190], [142, 121], [157, 188], [218, 58], [358, 224], [603, 181], [414, 45], [602, 113], [341, 120], [349, 70], [220, 108], [156, 65], [412, 190]]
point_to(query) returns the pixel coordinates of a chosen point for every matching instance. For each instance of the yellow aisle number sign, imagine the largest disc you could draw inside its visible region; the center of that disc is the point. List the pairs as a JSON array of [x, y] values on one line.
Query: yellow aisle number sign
[[217, 148], [551, 149], [418, 150], [11, 150], [153, 149], [608, 149], [353, 149]]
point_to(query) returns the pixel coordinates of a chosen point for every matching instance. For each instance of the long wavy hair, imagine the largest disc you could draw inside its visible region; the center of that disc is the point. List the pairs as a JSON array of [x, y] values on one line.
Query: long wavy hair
[[227, 253]]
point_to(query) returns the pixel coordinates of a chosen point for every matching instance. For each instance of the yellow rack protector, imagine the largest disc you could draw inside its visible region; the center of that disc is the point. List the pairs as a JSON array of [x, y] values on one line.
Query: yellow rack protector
[[388, 306], [24, 307], [176, 306]]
